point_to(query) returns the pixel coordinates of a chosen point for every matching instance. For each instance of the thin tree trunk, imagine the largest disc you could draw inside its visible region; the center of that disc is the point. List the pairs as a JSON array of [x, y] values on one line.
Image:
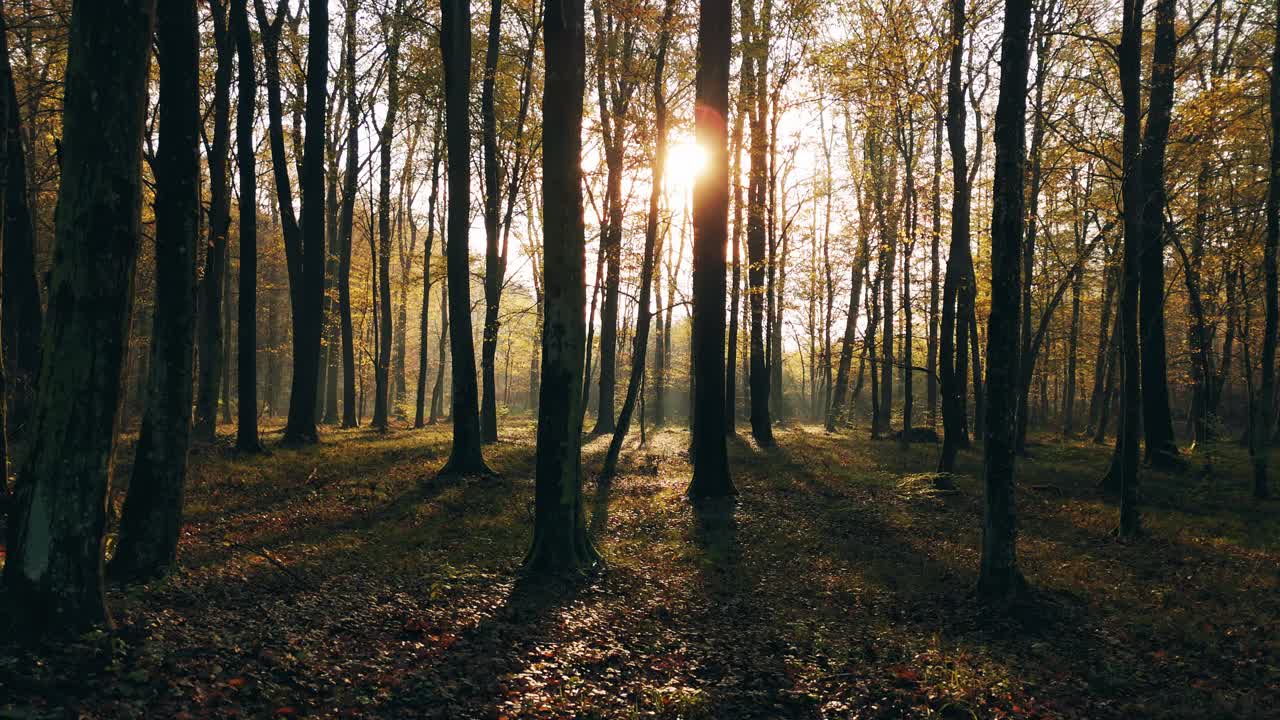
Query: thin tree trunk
[[643, 314], [247, 305], [420, 401], [465, 457], [755, 72], [1261, 446], [382, 365], [209, 333], [346, 226]]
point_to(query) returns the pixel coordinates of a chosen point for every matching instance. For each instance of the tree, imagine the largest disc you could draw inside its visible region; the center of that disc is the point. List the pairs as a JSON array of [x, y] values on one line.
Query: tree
[[152, 515], [21, 316], [560, 540], [755, 77], [209, 336], [382, 366], [55, 541], [1261, 435], [1124, 472], [465, 457], [951, 346], [1157, 423], [644, 316], [420, 400], [999, 580], [346, 224], [247, 305], [710, 238], [309, 315]]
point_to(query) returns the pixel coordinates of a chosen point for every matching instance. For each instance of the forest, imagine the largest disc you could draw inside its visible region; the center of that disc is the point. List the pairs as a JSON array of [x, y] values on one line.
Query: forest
[[673, 359]]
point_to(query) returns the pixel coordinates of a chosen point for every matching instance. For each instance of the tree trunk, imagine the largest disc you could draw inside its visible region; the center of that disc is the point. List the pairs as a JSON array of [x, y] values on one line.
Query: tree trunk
[[346, 226], [493, 266], [735, 292], [935, 261], [382, 365], [301, 425], [999, 580], [1157, 422], [710, 238], [644, 316], [465, 457], [1261, 446], [1124, 473], [247, 306], [560, 540], [755, 73], [22, 318], [152, 515], [209, 333], [55, 536], [420, 401]]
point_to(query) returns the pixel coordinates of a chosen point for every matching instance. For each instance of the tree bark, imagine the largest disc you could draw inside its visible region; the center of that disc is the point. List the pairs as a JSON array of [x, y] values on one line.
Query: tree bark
[[420, 403], [346, 226], [1157, 423], [152, 514], [999, 581], [209, 332], [1261, 446], [20, 307], [247, 306], [1124, 472], [382, 366], [55, 536], [710, 239], [951, 347], [560, 540], [465, 457], [755, 73]]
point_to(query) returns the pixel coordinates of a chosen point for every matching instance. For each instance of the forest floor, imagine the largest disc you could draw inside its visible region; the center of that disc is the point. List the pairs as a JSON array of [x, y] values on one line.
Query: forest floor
[[344, 581]]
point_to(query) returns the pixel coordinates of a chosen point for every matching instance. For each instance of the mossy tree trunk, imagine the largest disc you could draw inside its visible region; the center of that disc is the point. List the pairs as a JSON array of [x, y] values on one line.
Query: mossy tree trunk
[[55, 560]]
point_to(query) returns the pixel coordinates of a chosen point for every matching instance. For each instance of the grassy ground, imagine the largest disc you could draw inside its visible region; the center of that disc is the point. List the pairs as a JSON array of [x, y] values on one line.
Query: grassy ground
[[340, 581]]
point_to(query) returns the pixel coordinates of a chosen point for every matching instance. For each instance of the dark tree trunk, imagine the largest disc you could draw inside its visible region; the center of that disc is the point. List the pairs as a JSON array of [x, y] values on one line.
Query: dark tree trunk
[[382, 365], [301, 425], [1073, 337], [710, 239], [152, 516], [755, 74], [836, 411], [22, 318], [465, 457], [420, 403], [1027, 357], [951, 345], [1124, 473], [644, 317], [1157, 422], [735, 293], [560, 540], [209, 333], [935, 263], [247, 306], [1103, 348], [1261, 446], [999, 580], [494, 267], [56, 533], [442, 349], [346, 225]]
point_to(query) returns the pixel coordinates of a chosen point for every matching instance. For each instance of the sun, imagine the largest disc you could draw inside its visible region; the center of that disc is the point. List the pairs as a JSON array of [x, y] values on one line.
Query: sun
[[685, 162]]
